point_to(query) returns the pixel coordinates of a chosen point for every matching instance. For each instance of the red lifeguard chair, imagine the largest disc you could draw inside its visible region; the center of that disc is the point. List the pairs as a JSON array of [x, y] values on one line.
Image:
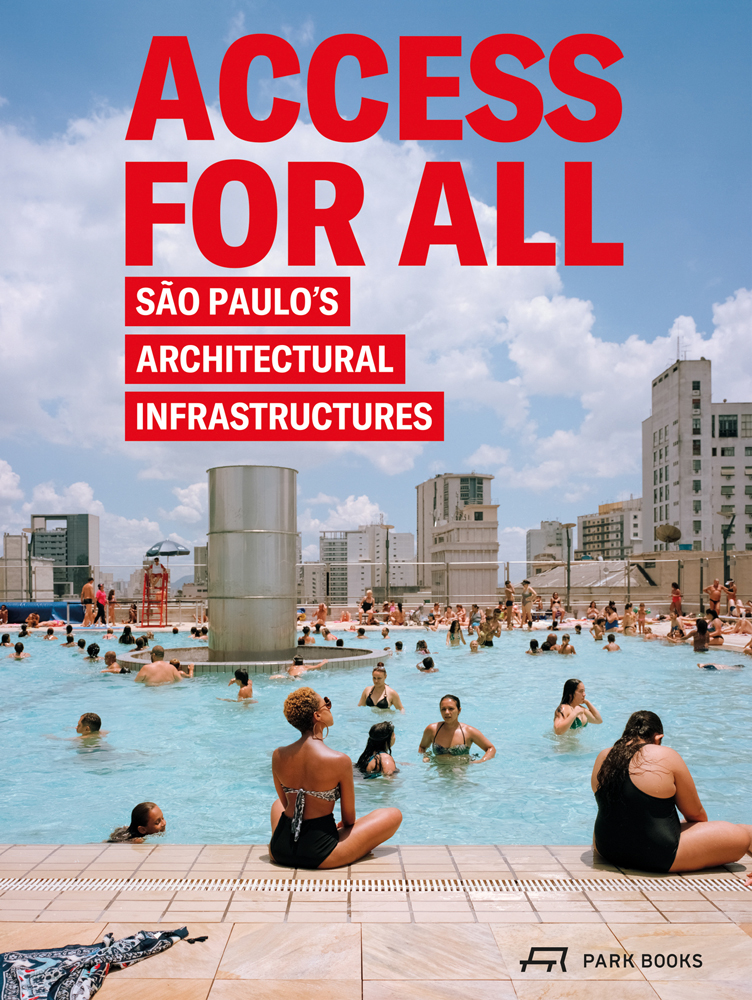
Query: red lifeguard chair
[[156, 592]]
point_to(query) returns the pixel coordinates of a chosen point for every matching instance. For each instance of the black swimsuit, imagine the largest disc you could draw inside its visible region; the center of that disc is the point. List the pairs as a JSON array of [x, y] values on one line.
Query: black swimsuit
[[382, 703], [637, 830]]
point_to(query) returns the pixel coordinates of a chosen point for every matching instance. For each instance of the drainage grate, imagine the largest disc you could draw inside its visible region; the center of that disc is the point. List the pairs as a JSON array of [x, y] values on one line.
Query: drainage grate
[[444, 885]]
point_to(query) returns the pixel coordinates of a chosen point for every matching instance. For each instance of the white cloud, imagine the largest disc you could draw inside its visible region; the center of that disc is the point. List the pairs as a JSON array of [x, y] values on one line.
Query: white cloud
[[322, 498], [193, 505], [344, 515], [310, 553], [10, 484], [505, 344]]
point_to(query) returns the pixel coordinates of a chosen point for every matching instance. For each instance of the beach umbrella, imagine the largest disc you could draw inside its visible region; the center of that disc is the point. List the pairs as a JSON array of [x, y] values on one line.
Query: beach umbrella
[[168, 548]]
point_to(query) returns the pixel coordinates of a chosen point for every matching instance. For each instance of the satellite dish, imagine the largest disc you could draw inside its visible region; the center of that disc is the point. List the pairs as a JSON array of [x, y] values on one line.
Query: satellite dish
[[667, 533]]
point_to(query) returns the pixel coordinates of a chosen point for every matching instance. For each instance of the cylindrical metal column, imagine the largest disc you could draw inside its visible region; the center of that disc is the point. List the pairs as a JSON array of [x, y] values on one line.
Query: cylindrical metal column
[[251, 562]]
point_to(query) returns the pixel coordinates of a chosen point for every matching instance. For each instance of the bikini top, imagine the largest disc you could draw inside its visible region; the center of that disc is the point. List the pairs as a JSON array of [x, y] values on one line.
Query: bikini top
[[381, 703], [455, 751], [331, 795]]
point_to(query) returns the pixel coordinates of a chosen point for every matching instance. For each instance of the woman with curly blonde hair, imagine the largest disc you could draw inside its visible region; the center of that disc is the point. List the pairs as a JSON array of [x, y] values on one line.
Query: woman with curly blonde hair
[[304, 832]]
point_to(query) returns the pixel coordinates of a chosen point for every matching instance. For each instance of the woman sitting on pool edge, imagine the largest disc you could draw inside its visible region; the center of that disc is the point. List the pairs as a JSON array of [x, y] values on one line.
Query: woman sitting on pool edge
[[305, 834], [459, 739], [377, 756], [380, 695], [574, 711], [638, 784]]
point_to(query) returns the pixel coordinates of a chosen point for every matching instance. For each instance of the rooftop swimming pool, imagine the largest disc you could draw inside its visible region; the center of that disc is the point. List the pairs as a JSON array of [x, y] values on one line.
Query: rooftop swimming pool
[[206, 762]]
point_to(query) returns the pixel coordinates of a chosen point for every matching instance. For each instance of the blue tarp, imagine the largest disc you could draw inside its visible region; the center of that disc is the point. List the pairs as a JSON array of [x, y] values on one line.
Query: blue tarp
[[19, 611]]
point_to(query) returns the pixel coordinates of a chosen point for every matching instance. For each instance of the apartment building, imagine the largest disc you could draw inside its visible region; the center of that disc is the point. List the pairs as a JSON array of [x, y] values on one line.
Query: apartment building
[[615, 532], [444, 498]]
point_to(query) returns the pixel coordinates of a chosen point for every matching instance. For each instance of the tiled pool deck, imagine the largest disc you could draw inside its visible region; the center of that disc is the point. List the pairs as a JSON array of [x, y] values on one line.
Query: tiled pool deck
[[408, 941]]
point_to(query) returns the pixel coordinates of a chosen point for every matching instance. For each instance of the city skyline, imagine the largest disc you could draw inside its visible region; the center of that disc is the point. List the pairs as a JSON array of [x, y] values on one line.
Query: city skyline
[[546, 370]]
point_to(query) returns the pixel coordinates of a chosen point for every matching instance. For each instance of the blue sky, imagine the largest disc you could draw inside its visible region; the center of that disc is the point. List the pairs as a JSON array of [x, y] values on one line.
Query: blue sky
[[547, 376]]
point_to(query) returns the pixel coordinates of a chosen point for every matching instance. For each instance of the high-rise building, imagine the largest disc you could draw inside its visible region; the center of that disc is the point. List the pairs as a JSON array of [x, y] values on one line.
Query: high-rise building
[[545, 543], [350, 556], [615, 532], [23, 577], [201, 566], [464, 556], [443, 498], [696, 462], [71, 541]]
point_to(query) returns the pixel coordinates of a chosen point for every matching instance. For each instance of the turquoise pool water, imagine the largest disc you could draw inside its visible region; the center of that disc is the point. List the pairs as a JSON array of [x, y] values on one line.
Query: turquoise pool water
[[207, 762]]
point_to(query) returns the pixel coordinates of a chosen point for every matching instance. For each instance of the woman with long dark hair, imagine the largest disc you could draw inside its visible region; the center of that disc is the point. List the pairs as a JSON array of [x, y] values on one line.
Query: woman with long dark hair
[[377, 756], [699, 636], [146, 819], [574, 711], [638, 785], [127, 638], [456, 739], [454, 635]]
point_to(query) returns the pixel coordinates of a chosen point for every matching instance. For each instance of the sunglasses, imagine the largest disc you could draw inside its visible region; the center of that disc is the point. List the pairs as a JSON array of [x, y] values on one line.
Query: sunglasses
[[327, 703]]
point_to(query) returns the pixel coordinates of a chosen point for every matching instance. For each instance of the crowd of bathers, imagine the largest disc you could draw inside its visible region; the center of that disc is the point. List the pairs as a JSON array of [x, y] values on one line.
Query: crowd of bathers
[[304, 835]]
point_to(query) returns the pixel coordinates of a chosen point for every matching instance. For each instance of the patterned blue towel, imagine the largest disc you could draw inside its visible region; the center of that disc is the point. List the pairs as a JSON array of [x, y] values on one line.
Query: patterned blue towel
[[77, 971]]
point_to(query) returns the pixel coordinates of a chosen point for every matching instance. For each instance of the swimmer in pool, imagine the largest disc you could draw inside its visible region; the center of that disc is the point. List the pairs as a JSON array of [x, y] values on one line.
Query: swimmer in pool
[[245, 689], [18, 652], [88, 726], [599, 629], [456, 739], [566, 648], [454, 635], [426, 666], [50, 637], [111, 664], [297, 668], [612, 646], [533, 651], [422, 647], [574, 711], [146, 820], [720, 666], [474, 646], [377, 756], [160, 672], [379, 694], [5, 639]]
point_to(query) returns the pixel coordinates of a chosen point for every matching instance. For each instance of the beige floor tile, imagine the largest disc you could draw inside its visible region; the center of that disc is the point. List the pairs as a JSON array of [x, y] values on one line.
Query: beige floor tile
[[380, 917], [279, 989], [256, 906], [625, 905], [190, 917], [563, 917], [439, 905], [692, 917], [516, 942], [726, 951], [77, 915], [433, 989], [317, 903], [444, 917], [507, 917], [579, 990], [502, 906], [14, 916], [26, 936], [198, 902], [630, 917], [427, 951], [317, 917], [381, 905], [117, 988], [182, 961], [564, 906], [265, 917], [699, 905], [267, 951], [701, 991], [19, 905]]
